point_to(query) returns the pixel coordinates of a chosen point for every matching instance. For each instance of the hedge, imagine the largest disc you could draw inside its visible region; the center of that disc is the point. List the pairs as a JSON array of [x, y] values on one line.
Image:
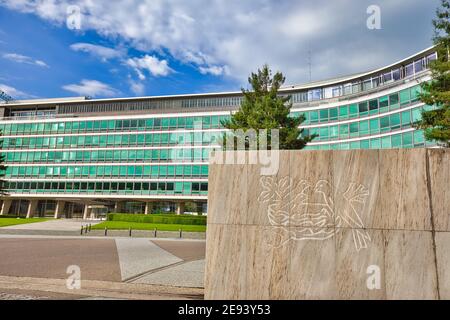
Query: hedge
[[159, 218]]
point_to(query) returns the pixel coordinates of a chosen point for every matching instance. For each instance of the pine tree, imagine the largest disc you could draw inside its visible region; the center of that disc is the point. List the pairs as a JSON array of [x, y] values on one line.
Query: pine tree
[[436, 122], [264, 108]]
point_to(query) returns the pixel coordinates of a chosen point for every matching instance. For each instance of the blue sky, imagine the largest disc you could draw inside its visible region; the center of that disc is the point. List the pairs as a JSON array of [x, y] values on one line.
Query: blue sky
[[135, 48]]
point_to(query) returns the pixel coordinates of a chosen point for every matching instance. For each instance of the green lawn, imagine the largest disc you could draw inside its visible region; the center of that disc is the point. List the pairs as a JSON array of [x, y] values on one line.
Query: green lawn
[[5, 222], [122, 225]]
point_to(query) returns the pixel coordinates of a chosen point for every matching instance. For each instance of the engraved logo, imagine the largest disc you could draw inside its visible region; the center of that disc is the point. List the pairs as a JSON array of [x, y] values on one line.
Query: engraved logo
[[311, 208]]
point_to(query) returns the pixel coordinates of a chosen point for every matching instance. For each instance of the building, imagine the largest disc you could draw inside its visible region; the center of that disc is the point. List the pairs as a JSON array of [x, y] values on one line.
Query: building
[[78, 156]]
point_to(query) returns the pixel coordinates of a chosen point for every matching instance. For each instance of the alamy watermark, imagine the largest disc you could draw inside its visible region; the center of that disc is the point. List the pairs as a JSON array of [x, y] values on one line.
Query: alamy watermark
[[250, 147], [73, 282], [74, 16], [374, 279], [374, 19]]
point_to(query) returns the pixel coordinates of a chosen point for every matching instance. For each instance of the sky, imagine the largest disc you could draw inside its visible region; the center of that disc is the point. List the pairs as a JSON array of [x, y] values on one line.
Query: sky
[[126, 48]]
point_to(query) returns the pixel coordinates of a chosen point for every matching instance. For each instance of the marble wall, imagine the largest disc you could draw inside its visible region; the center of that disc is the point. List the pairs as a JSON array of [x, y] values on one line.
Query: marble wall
[[359, 224]]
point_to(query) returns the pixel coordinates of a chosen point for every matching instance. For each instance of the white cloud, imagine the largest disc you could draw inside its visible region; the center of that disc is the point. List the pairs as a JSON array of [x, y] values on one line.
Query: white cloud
[[137, 88], [243, 35], [151, 64], [101, 52], [19, 58], [214, 70], [91, 88], [14, 93]]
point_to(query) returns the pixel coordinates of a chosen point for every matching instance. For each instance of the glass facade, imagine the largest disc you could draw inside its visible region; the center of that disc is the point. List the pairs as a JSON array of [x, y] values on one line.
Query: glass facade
[[50, 152]]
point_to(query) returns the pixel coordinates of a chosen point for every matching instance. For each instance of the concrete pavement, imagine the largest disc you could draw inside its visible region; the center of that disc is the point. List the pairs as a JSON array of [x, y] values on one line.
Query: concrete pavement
[[138, 262]]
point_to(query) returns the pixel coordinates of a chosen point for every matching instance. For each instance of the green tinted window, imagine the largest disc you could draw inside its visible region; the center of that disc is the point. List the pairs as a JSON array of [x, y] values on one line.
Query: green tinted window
[[415, 92], [404, 97], [333, 134], [323, 132], [384, 102], [333, 114], [343, 112], [314, 116], [353, 110], [384, 122], [354, 128], [407, 139], [365, 144], [416, 115], [343, 130], [395, 121], [386, 142], [324, 115], [397, 141], [418, 137], [373, 105], [364, 127], [406, 118], [363, 108]]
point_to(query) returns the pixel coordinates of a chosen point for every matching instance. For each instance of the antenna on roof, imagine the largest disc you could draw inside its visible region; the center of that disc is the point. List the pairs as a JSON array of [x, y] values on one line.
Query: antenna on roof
[[5, 97]]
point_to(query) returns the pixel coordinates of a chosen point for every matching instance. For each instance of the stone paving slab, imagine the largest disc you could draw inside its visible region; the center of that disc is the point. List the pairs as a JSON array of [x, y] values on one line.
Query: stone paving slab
[[137, 256], [189, 274], [97, 289]]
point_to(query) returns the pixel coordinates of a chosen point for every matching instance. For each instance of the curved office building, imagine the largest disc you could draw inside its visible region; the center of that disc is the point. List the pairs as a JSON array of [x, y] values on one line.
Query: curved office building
[[78, 156]]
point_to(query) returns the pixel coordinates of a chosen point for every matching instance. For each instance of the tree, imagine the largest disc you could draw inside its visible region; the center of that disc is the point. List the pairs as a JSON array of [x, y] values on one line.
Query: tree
[[436, 122], [264, 108]]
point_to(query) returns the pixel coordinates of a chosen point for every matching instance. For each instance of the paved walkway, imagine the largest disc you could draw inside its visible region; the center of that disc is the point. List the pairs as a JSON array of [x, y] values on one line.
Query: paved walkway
[[53, 225], [135, 261]]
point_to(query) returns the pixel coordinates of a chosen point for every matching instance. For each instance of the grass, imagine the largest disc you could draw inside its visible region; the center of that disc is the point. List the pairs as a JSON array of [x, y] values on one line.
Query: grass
[[123, 225], [6, 222]]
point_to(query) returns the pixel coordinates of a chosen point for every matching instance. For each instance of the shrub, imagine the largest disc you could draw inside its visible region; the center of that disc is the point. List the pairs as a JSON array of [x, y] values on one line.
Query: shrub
[[159, 218]]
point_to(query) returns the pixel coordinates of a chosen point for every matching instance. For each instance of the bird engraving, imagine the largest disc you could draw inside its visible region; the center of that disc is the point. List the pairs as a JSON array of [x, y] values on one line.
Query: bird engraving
[[307, 211]]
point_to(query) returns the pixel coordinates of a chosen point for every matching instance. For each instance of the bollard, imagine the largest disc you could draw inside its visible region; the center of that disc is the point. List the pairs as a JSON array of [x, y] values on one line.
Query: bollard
[[90, 227], [181, 233], [130, 231], [106, 231], [155, 231], [81, 230]]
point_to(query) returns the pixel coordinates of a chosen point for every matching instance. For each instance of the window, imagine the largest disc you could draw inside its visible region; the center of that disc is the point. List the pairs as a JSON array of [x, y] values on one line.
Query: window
[[384, 124], [409, 70], [397, 141], [354, 129], [324, 115], [343, 130], [314, 116], [353, 111], [415, 92], [404, 97], [384, 104], [418, 66], [396, 74], [364, 127], [386, 142], [323, 133], [343, 112], [406, 119], [363, 108], [333, 114], [395, 121], [333, 132], [407, 139]]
